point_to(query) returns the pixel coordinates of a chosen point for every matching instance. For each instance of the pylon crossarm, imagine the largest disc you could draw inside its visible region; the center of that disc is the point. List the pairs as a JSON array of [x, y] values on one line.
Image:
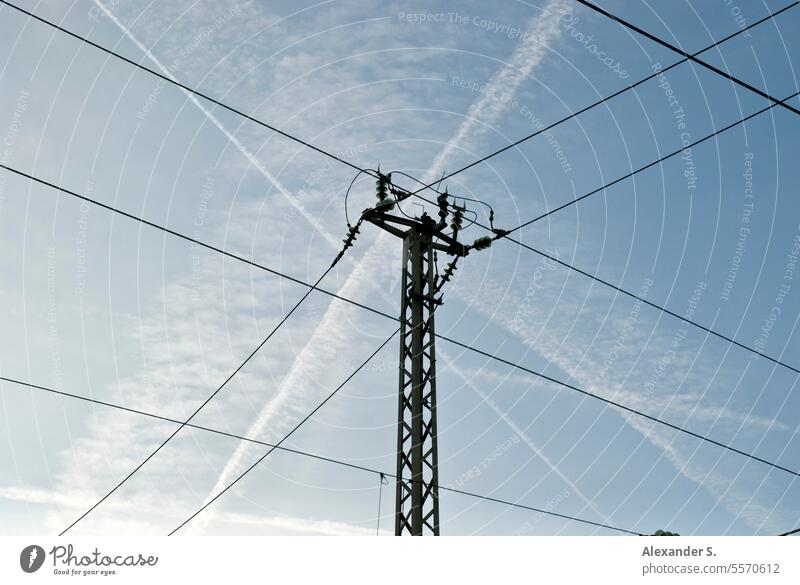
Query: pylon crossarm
[[439, 240]]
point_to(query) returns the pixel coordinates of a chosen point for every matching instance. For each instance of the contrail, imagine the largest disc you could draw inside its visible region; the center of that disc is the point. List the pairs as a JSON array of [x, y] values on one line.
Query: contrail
[[522, 435], [252, 159], [374, 265]]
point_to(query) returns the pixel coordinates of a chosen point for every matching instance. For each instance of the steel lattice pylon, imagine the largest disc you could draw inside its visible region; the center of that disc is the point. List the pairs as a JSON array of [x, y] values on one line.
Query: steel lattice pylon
[[417, 494]]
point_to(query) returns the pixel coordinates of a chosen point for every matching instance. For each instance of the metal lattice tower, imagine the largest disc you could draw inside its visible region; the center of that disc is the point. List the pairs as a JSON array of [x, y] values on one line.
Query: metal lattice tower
[[417, 495]]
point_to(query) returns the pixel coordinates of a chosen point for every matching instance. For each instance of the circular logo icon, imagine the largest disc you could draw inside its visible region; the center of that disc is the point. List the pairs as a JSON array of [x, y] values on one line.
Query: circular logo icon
[[31, 558]]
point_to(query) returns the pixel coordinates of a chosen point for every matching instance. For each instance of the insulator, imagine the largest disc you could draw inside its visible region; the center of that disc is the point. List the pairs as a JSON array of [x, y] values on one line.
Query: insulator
[[441, 200], [385, 205], [482, 243], [457, 219], [448, 273], [351, 236], [382, 187]]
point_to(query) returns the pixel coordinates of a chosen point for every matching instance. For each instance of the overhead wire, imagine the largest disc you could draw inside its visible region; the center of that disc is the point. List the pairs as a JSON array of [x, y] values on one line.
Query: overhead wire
[[436, 288], [213, 394], [506, 234], [381, 482], [185, 87], [645, 167], [313, 147], [623, 407], [285, 437], [347, 194], [299, 452], [371, 309], [688, 56], [601, 101]]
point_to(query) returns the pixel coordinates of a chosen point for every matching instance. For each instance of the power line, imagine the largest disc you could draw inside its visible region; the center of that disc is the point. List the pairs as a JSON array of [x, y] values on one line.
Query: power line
[[355, 303], [620, 405], [655, 306], [583, 272], [317, 149], [645, 167], [405, 327], [687, 57], [187, 88], [506, 235], [176, 421], [692, 58], [189, 239], [286, 436], [213, 394], [603, 100], [516, 143], [304, 453], [366, 307]]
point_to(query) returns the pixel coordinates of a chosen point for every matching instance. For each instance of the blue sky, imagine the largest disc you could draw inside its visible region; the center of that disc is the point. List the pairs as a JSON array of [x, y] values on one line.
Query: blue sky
[[99, 305]]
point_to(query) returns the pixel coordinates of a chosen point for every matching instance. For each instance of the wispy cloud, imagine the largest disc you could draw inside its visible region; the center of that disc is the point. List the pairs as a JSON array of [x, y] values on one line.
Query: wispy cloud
[[374, 270], [685, 389]]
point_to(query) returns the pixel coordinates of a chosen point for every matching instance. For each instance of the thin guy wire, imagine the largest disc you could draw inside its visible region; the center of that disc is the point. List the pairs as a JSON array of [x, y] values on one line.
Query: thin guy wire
[[380, 495]]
